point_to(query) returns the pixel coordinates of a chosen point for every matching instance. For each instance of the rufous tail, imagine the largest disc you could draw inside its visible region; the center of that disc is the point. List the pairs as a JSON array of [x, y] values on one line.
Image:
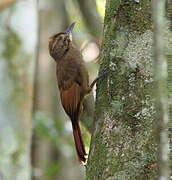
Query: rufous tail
[[80, 148]]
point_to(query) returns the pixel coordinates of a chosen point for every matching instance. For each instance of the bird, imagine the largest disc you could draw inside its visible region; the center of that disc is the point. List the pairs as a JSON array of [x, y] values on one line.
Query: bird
[[73, 81]]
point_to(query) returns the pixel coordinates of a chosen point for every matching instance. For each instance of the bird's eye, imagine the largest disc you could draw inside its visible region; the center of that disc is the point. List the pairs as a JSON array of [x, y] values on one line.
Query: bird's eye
[[60, 38]]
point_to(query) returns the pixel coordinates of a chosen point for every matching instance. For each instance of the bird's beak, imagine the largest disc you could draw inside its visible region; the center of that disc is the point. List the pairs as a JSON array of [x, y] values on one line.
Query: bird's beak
[[69, 29]]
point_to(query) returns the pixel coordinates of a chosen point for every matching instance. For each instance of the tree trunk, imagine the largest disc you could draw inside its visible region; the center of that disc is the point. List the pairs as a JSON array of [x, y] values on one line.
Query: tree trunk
[[158, 14], [17, 57], [123, 144], [48, 157], [45, 102]]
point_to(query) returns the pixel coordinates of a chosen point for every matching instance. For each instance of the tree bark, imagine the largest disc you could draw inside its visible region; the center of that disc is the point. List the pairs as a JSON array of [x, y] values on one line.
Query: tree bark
[[124, 144], [169, 83], [17, 57]]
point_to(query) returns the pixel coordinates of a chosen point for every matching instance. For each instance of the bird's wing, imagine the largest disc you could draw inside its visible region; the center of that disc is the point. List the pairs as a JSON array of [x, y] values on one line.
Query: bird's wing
[[71, 99]]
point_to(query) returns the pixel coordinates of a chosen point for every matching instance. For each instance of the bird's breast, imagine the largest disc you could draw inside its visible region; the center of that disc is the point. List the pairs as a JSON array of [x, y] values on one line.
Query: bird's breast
[[66, 74]]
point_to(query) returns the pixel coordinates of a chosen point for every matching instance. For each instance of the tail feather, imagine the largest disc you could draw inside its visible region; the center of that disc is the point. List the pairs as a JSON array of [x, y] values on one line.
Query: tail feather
[[71, 100], [80, 148]]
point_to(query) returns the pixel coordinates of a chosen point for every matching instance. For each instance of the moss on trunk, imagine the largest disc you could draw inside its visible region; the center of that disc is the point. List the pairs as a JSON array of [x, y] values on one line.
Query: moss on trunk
[[123, 144]]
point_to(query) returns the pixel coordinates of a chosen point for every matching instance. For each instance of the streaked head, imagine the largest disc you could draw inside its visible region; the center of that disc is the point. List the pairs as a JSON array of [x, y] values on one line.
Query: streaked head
[[60, 43]]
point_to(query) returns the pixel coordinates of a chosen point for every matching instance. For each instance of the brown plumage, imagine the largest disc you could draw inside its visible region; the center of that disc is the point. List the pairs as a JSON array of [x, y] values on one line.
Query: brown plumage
[[73, 82]]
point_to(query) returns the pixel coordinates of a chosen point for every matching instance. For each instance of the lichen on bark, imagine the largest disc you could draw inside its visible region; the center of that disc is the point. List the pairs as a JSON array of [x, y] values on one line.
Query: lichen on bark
[[123, 144]]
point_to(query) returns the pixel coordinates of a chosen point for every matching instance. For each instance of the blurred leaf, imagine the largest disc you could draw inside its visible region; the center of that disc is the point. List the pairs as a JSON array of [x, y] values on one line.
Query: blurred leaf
[[13, 43], [44, 126], [86, 136], [59, 125], [52, 170], [101, 7]]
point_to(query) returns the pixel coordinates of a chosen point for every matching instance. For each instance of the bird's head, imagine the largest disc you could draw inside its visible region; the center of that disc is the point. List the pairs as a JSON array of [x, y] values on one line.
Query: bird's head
[[60, 43]]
